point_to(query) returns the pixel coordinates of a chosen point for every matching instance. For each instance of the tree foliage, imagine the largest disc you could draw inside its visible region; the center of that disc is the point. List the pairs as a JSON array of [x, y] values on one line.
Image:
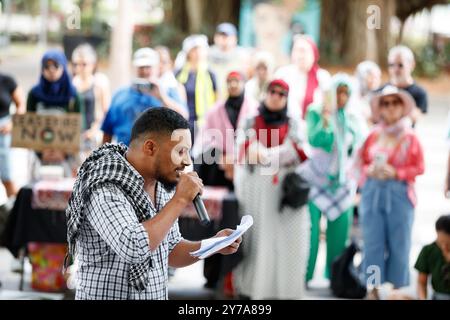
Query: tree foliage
[[406, 8]]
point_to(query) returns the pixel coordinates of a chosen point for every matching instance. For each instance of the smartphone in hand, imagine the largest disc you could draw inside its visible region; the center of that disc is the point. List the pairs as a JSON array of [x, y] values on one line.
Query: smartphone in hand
[[143, 85]]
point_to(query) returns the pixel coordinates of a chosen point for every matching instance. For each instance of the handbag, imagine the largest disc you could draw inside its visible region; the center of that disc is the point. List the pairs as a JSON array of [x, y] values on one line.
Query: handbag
[[295, 191]]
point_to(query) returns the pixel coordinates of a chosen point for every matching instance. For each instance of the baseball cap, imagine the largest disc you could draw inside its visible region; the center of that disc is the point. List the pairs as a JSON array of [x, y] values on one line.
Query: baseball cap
[[145, 57], [227, 29]]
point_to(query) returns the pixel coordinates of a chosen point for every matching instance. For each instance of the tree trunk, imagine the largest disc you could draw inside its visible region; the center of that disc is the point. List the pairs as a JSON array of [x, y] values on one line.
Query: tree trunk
[[354, 47], [332, 23], [217, 11], [179, 17], [121, 46], [201, 16], [384, 39], [349, 32], [195, 13]]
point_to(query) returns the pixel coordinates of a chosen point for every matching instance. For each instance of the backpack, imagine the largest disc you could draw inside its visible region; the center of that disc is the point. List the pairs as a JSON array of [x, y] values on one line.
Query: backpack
[[345, 282]]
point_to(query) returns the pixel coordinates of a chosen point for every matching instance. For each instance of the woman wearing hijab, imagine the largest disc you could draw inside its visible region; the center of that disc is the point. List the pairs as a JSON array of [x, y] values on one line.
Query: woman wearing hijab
[[223, 119], [391, 159], [270, 147], [54, 94], [335, 135], [304, 76], [214, 148], [55, 90]]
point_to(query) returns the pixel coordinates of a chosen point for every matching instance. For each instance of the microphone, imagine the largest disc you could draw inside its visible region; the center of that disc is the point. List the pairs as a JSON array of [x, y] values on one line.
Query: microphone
[[201, 210]]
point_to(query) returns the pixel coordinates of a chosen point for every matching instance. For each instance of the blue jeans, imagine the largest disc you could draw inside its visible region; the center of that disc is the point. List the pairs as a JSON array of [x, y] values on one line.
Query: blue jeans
[[5, 153], [387, 217]]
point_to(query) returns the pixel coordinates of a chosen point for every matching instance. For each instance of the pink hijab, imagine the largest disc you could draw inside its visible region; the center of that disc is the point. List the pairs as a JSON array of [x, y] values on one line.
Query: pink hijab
[[312, 82]]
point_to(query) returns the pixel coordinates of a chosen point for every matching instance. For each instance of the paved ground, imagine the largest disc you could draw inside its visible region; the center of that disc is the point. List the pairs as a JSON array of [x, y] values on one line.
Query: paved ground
[[188, 282]]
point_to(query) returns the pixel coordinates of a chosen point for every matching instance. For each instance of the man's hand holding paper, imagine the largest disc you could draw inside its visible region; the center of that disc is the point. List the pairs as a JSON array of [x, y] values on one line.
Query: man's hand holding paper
[[225, 241]]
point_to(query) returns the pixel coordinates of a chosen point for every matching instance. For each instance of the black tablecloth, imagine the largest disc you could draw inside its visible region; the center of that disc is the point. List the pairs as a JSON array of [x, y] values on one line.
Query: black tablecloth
[[26, 224]]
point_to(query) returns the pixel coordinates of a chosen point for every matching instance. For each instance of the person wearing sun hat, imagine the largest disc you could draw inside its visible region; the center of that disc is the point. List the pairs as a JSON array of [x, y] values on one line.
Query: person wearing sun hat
[[278, 243], [390, 160]]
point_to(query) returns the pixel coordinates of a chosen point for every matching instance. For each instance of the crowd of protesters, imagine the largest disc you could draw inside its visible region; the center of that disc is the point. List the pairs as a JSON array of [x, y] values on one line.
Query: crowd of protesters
[[348, 136]]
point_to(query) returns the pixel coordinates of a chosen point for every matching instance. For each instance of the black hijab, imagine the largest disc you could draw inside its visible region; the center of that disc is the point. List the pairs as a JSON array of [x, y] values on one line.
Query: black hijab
[[273, 118], [233, 107]]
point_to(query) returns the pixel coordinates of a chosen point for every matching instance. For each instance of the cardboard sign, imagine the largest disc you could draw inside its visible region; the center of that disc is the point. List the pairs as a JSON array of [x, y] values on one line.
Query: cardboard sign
[[43, 131]]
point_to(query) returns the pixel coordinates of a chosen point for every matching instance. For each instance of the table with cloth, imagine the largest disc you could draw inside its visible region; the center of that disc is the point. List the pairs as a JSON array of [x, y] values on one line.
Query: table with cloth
[[38, 217]]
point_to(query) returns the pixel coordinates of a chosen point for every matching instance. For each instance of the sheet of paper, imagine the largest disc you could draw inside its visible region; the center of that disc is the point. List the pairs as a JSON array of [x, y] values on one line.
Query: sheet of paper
[[212, 245]]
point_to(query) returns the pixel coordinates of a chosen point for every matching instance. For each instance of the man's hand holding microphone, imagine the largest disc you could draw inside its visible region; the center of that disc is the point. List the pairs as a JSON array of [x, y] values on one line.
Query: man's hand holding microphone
[[189, 188]]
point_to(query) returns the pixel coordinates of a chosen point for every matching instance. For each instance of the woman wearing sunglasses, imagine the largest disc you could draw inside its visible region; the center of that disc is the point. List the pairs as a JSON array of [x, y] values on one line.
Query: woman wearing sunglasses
[[270, 147], [54, 89], [54, 94], [391, 159]]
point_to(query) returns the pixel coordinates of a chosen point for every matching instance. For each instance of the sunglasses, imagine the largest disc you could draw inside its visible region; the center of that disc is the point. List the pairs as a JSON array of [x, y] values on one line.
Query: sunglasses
[[281, 94], [387, 103], [52, 66], [392, 65], [81, 64]]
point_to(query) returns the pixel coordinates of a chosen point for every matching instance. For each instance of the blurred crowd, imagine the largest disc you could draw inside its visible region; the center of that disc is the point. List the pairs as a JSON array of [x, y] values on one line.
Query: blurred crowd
[[293, 142]]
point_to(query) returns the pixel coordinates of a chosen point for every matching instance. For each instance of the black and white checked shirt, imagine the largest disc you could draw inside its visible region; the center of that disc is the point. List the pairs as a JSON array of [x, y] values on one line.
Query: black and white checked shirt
[[110, 240]]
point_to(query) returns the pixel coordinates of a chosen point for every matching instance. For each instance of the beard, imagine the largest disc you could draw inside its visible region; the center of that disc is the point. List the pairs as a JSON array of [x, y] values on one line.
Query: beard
[[169, 186]]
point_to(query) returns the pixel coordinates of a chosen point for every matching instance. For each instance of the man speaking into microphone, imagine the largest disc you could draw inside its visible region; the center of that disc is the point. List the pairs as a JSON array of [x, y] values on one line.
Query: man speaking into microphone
[[122, 218]]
